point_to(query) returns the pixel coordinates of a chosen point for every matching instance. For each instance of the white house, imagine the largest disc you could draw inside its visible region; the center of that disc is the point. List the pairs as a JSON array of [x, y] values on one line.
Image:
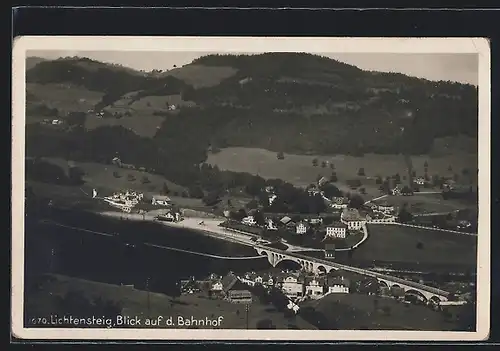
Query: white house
[[381, 219], [292, 286], [160, 200], [270, 225], [314, 289], [316, 221], [336, 230], [216, 286], [249, 220], [352, 218], [337, 285], [272, 198], [301, 228]]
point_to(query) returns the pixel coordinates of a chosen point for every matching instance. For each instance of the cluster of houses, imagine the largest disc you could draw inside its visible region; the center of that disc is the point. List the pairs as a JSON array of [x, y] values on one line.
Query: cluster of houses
[[124, 200], [228, 287], [296, 286], [299, 286]]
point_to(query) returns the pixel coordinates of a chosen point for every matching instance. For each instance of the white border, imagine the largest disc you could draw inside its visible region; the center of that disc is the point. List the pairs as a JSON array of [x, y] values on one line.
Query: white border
[[21, 45]]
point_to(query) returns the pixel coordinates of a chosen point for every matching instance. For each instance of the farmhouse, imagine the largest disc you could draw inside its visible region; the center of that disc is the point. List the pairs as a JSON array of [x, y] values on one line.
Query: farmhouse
[[336, 230], [352, 218], [161, 200], [249, 220], [385, 207]]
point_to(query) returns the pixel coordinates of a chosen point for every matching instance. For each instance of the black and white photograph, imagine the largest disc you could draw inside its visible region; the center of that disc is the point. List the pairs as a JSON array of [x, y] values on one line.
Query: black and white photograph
[[251, 188]]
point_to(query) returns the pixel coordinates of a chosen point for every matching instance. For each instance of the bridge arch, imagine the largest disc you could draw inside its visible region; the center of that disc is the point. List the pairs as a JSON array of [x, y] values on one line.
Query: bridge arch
[[288, 264], [263, 253], [382, 284], [322, 269], [416, 293], [435, 299]]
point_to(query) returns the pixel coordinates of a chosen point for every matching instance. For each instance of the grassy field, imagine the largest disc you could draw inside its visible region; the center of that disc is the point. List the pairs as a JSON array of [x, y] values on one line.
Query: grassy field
[[394, 243], [355, 311], [428, 203], [134, 303], [64, 98], [298, 169], [100, 176]]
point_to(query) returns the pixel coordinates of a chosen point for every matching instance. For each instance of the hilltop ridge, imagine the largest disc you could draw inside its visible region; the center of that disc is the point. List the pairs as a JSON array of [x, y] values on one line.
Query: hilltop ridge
[[291, 102]]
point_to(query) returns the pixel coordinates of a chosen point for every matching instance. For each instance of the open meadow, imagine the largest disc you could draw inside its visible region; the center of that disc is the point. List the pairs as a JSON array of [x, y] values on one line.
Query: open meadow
[[356, 311], [398, 244], [299, 170], [101, 177], [426, 203]]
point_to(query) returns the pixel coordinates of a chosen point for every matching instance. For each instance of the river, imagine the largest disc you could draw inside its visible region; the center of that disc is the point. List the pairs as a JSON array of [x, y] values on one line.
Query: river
[[62, 250]]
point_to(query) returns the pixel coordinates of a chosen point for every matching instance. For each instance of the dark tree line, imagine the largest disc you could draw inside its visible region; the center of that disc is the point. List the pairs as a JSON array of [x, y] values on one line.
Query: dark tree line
[[47, 172]]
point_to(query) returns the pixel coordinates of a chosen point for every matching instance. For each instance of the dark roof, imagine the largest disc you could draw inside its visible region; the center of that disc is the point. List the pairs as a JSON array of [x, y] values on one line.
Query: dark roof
[[331, 281], [337, 225], [228, 281], [330, 246]]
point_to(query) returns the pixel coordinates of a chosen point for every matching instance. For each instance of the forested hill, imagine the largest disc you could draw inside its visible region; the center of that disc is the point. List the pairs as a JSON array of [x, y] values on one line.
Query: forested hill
[[290, 102]]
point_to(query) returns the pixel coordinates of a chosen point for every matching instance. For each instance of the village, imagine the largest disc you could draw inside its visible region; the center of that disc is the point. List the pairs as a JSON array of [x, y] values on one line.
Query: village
[[290, 290]]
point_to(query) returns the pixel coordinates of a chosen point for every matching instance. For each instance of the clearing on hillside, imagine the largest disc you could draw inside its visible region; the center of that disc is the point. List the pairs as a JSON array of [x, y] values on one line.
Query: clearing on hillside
[[298, 169], [64, 97], [102, 176]]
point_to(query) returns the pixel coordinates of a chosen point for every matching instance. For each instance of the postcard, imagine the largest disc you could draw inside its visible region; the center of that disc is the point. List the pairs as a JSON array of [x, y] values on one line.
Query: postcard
[[238, 188]]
